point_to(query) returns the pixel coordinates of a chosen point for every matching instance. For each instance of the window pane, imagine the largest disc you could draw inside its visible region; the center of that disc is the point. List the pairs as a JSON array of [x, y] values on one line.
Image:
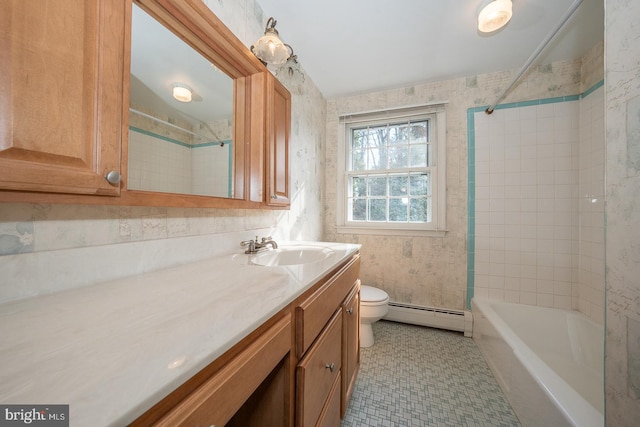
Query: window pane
[[419, 185], [378, 186], [419, 155], [359, 210], [377, 159], [358, 186], [358, 161], [403, 133], [376, 137], [399, 156], [377, 209], [398, 209], [394, 137], [418, 210], [419, 132], [358, 139], [398, 185]]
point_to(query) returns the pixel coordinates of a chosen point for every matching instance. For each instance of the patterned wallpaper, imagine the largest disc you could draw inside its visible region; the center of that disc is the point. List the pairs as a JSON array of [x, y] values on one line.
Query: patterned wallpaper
[[622, 195]]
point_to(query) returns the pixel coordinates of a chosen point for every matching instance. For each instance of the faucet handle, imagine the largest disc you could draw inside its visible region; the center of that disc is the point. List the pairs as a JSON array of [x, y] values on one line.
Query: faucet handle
[[264, 239], [247, 243], [252, 246]]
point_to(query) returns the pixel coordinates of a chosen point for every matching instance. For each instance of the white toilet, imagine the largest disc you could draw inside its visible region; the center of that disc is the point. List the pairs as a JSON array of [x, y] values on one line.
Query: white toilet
[[373, 306]]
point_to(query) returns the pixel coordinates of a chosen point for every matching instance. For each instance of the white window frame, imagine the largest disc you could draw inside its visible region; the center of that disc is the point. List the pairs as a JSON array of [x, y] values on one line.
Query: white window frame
[[437, 226]]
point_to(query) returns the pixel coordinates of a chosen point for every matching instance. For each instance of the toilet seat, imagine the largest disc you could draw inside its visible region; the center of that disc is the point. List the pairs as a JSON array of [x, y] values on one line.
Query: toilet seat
[[373, 296]]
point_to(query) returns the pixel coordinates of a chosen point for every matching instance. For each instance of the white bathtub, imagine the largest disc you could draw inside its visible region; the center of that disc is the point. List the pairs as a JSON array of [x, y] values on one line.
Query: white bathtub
[[549, 362]]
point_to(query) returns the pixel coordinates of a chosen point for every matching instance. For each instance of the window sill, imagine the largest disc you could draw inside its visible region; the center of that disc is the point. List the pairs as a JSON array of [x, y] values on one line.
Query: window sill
[[390, 231]]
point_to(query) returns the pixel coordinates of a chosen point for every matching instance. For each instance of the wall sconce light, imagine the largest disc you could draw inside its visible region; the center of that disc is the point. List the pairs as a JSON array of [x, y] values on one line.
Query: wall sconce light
[[494, 16], [291, 74], [181, 92], [269, 48]]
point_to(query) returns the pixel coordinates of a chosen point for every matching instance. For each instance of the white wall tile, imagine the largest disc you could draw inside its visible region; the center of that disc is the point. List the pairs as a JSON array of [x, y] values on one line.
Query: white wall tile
[[539, 209]]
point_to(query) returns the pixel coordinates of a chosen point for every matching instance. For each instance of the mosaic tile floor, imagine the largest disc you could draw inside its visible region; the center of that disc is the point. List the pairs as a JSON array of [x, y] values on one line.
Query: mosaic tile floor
[[417, 376]]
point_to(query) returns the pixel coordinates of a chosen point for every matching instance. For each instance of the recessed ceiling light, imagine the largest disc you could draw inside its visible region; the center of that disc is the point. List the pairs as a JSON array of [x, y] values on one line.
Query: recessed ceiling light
[[181, 92], [494, 16]]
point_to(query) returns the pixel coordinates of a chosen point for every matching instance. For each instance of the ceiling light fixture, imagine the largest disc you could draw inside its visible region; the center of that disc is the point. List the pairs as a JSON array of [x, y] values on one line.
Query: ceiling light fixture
[[494, 16], [269, 48], [181, 92]]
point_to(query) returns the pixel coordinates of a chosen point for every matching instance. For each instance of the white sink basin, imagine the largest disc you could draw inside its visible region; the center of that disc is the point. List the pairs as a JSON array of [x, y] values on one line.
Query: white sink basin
[[291, 255]]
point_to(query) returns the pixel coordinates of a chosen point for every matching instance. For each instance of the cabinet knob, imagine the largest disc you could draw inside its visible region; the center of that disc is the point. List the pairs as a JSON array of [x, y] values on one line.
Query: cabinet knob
[[273, 196], [330, 367], [350, 310], [113, 177]]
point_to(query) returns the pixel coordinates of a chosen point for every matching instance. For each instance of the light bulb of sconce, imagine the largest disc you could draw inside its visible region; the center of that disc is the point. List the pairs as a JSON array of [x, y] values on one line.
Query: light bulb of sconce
[[269, 48]]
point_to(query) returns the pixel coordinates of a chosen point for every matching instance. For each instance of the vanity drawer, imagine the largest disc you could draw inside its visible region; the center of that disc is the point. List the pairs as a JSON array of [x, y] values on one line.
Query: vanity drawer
[[314, 313], [330, 416], [318, 372]]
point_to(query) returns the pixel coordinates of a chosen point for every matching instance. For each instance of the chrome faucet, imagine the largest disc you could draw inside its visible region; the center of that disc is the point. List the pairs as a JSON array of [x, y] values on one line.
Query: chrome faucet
[[268, 241], [254, 246], [251, 246]]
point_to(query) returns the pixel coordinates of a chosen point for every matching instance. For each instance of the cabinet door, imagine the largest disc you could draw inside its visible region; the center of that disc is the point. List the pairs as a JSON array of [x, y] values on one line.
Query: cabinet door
[[350, 345], [61, 74], [277, 151], [317, 373]]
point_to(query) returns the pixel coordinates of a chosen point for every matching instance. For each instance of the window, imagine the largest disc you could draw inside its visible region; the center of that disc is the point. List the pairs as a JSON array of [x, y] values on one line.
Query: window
[[393, 172]]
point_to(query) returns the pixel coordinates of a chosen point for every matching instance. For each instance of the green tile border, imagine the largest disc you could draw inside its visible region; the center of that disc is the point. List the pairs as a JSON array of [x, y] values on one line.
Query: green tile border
[[155, 135], [592, 89], [175, 141], [471, 168], [471, 201]]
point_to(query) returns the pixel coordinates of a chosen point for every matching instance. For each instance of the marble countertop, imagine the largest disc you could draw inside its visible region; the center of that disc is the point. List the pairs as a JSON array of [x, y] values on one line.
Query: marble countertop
[[112, 350]]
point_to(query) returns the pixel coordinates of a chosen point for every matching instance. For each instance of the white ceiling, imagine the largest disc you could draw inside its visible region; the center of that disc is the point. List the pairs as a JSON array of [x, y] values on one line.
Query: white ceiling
[[349, 47]]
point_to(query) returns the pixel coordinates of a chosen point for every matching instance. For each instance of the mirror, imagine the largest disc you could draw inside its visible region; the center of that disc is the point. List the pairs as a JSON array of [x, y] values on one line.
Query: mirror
[[177, 146]]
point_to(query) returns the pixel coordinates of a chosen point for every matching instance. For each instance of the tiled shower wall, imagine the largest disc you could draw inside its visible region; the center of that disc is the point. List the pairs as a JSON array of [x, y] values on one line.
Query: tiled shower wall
[[212, 169], [539, 236], [157, 163], [591, 206]]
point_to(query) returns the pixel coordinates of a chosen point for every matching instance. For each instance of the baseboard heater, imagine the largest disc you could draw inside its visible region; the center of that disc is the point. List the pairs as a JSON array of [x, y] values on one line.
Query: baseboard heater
[[441, 318]]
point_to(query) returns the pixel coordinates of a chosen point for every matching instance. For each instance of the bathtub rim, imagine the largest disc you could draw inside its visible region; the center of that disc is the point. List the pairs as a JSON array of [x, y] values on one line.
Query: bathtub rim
[[564, 397]]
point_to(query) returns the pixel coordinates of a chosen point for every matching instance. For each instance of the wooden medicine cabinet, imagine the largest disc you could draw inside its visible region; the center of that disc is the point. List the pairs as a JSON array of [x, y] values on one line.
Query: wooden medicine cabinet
[[89, 105]]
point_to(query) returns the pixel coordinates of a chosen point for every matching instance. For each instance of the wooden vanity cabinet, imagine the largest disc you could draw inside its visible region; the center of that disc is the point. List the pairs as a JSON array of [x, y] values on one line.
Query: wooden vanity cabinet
[[298, 368], [327, 345], [62, 74], [248, 386]]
